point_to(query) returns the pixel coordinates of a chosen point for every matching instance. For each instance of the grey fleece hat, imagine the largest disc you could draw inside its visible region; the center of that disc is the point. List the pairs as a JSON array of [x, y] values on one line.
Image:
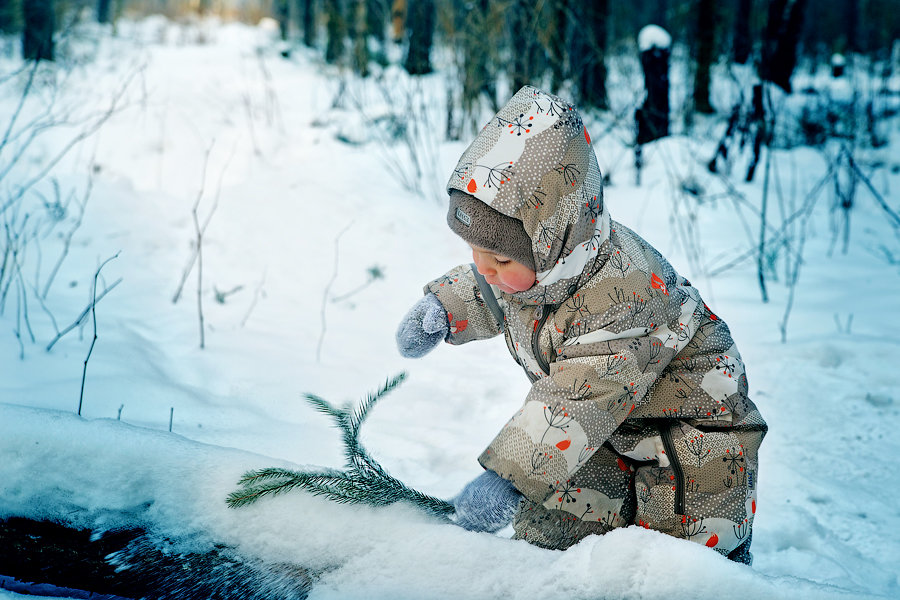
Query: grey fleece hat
[[482, 226]]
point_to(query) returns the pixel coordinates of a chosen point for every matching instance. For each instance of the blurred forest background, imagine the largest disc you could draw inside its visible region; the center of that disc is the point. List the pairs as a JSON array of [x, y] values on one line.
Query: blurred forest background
[[742, 76], [564, 46]]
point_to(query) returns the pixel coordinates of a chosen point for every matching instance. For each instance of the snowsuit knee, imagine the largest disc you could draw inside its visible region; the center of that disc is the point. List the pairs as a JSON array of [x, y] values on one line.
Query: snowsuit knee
[[639, 410]]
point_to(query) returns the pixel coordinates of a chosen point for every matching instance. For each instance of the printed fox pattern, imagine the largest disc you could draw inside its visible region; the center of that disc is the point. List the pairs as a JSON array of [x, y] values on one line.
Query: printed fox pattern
[[639, 410]]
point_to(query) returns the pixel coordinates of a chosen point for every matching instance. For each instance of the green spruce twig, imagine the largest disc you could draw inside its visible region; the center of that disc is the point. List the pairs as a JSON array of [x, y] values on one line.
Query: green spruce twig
[[363, 481]]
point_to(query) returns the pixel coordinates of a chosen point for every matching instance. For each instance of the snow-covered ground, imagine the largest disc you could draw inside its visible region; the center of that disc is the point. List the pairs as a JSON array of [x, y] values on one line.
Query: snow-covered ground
[[297, 218]]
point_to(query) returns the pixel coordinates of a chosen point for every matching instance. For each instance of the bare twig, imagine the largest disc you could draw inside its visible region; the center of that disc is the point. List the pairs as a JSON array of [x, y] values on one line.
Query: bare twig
[[94, 340], [375, 273], [334, 273], [256, 294], [199, 232], [761, 250], [222, 296], [792, 284], [22, 306], [11, 258], [776, 238], [15, 116], [81, 317], [892, 215], [49, 165], [193, 258], [67, 241], [18, 328]]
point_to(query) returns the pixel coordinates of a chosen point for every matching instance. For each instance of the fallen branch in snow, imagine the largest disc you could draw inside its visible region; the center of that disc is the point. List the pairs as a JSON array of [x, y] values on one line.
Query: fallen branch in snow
[[363, 481]]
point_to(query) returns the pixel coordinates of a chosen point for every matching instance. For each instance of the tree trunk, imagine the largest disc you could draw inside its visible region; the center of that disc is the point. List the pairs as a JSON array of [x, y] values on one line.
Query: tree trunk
[[282, 15], [37, 35], [743, 40], [337, 31], [360, 35], [476, 32], [307, 13], [556, 48], [780, 45], [420, 22], [398, 20], [103, 10], [653, 116], [527, 55], [377, 18], [589, 54], [9, 16], [851, 23], [705, 54]]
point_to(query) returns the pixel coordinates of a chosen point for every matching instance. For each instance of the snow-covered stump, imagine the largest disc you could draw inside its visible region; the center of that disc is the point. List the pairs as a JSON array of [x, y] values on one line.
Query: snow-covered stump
[[652, 118]]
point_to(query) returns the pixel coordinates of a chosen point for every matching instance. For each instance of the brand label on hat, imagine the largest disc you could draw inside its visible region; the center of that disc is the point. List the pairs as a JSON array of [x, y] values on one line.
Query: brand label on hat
[[462, 216]]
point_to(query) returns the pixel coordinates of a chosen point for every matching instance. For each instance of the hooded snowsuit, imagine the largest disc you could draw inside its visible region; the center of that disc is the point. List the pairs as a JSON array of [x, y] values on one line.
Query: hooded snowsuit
[[638, 411]]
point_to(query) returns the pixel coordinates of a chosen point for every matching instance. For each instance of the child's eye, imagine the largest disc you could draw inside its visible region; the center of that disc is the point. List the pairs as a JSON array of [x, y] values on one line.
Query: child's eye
[[502, 261]]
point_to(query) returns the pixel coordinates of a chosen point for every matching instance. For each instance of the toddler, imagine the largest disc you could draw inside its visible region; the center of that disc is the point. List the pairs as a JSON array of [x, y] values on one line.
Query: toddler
[[638, 412]]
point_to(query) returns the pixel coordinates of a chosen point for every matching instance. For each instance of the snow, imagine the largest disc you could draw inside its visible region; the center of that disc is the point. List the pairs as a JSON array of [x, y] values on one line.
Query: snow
[[298, 212], [653, 36]]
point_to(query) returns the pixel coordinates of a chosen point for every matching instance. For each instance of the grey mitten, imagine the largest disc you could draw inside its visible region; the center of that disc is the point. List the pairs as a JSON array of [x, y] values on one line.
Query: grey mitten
[[423, 327], [487, 503]]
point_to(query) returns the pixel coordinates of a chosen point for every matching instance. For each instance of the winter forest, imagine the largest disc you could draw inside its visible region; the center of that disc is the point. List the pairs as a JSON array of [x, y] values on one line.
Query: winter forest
[[215, 213]]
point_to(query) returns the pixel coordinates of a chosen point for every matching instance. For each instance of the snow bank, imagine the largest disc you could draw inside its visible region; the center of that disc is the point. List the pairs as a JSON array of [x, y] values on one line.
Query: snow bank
[[102, 474]]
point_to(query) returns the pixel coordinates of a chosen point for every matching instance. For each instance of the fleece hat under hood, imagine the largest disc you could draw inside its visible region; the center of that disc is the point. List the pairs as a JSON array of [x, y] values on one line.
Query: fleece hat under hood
[[534, 163], [482, 226]]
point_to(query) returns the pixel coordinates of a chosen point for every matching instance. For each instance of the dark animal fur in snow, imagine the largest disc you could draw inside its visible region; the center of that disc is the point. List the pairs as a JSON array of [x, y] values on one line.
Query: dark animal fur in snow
[[136, 564]]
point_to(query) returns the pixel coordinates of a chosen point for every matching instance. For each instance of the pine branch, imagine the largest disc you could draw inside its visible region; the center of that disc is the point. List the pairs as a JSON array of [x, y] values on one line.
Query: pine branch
[[361, 412], [363, 482], [323, 406], [254, 477], [334, 485]]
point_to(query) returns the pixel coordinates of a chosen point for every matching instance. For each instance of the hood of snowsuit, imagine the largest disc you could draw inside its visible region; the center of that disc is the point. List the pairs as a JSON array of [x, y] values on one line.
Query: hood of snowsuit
[[534, 162]]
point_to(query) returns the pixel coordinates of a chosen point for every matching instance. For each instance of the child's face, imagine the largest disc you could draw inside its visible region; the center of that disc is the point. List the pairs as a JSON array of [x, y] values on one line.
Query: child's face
[[507, 274]]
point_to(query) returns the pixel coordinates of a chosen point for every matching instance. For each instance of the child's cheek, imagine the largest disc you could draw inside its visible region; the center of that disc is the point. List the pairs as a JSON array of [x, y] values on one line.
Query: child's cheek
[[520, 281]]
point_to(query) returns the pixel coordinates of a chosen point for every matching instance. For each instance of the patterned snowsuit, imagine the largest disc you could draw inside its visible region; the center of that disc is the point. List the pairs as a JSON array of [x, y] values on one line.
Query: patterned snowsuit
[[638, 411]]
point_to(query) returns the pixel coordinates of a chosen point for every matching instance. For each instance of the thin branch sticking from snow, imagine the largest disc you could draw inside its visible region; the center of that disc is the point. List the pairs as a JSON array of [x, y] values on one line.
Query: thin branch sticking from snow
[[94, 339], [334, 273]]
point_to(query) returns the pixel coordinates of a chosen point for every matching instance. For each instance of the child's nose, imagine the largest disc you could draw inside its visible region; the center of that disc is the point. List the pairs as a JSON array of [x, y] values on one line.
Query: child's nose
[[482, 267]]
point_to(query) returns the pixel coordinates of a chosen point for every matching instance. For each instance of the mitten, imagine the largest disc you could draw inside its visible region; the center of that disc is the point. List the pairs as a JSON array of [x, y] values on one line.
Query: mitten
[[423, 327], [487, 503]]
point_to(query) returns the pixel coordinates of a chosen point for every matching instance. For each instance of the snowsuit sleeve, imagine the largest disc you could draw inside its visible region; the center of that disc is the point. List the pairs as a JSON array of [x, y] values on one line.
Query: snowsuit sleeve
[[469, 316], [612, 340]]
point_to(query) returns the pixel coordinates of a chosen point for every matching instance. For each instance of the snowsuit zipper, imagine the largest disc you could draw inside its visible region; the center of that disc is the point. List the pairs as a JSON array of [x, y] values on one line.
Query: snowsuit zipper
[[665, 431], [487, 294], [541, 313]]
